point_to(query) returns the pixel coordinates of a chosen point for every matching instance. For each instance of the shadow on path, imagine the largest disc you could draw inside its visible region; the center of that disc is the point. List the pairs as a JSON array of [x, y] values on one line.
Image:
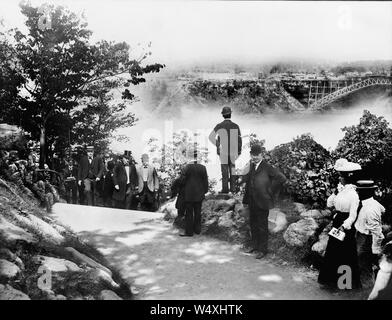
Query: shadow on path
[[161, 265]]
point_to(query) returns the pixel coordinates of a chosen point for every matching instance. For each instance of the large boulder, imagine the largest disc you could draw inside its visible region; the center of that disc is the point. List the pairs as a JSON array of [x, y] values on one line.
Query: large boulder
[[321, 245], [10, 256], [299, 233], [224, 205], [226, 220], [169, 209], [56, 264], [8, 270], [9, 293], [314, 213], [299, 207], [108, 295], [12, 234], [276, 221], [99, 275], [40, 227], [81, 258], [317, 214], [241, 210]]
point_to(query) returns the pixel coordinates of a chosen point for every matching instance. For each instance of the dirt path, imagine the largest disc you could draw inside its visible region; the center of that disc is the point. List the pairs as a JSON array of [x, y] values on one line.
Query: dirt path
[[161, 265]]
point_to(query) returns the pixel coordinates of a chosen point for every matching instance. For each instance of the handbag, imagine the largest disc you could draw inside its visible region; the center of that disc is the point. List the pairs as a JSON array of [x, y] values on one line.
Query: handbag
[[337, 234]]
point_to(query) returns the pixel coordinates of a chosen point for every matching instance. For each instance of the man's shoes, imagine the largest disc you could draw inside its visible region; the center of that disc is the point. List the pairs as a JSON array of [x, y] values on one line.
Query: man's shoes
[[186, 235], [260, 255]]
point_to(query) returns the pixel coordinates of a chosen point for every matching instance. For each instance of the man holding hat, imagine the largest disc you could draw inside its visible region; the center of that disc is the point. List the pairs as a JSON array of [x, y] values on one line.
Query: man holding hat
[[369, 229], [263, 182], [227, 138]]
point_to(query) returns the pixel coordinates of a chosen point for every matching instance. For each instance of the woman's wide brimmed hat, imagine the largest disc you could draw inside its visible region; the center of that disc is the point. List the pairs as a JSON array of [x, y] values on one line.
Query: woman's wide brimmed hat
[[343, 165], [366, 184]]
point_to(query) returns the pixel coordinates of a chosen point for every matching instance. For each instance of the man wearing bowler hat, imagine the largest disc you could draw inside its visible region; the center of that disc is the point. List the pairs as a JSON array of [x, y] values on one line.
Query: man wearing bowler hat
[[263, 183], [369, 233], [227, 138]]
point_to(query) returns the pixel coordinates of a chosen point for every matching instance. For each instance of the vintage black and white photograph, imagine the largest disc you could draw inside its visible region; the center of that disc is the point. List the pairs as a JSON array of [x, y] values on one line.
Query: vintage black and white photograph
[[195, 150]]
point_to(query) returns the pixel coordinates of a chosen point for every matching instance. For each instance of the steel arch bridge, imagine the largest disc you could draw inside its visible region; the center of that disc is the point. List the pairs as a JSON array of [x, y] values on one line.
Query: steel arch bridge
[[335, 95]]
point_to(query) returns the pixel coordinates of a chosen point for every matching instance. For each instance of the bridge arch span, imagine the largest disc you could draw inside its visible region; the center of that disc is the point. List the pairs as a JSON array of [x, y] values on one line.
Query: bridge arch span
[[369, 82]]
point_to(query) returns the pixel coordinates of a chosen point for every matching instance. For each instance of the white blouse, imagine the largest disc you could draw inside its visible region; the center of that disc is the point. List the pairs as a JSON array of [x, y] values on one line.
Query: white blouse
[[346, 200]]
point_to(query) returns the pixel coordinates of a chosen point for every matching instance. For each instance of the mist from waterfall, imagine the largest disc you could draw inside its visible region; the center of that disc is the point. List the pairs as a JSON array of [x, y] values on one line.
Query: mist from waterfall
[[175, 114]]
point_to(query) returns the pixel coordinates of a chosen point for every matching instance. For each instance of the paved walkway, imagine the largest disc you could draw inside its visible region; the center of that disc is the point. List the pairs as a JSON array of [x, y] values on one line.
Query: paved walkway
[[161, 265]]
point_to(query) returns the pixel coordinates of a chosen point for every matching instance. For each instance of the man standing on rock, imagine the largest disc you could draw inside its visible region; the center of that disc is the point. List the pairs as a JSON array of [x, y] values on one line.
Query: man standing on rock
[[263, 182], [227, 138]]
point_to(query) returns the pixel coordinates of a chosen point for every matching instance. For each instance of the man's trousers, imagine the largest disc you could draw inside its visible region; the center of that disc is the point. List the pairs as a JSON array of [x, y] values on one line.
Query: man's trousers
[[193, 218], [258, 220]]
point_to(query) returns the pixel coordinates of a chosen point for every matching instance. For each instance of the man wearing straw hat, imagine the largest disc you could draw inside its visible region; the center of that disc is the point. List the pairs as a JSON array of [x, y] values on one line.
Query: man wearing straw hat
[[369, 234]]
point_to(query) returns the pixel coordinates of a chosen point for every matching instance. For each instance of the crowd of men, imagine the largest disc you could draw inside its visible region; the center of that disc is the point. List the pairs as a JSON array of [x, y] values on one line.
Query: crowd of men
[[118, 182], [87, 179]]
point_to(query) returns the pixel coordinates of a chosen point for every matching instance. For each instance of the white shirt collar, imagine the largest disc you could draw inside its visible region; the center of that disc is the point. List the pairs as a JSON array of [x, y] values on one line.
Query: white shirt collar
[[257, 164]]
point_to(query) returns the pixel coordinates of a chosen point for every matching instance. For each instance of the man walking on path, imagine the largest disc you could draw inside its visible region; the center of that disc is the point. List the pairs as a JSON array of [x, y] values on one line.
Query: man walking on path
[[90, 172], [148, 184], [195, 180], [227, 138], [132, 182], [263, 182]]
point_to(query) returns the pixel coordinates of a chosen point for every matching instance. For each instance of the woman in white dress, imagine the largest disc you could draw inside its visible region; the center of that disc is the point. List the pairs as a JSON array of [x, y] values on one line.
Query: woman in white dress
[[342, 253]]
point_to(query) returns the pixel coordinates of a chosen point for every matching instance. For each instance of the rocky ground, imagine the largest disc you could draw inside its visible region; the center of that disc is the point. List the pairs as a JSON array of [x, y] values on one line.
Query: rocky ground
[[41, 259], [297, 234]]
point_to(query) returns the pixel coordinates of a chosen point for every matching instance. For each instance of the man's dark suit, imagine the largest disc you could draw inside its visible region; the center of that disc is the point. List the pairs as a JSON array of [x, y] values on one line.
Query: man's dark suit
[[195, 180], [120, 180], [261, 187], [87, 173], [177, 189], [70, 175], [130, 200], [229, 145]]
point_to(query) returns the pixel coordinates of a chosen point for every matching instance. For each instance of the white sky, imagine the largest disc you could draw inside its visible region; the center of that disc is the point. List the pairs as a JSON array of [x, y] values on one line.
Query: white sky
[[189, 31]]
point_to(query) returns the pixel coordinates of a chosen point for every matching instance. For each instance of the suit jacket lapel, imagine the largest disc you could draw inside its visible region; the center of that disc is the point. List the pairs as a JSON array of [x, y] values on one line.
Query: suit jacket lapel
[[259, 167]]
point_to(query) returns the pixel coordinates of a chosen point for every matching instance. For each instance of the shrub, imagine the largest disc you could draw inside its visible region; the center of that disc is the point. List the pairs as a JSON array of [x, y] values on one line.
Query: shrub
[[370, 144], [17, 142], [308, 168], [172, 157]]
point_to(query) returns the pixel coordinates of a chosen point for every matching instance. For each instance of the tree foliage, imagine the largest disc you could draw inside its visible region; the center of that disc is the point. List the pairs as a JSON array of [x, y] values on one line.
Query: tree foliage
[[60, 67], [307, 166], [172, 157], [369, 143]]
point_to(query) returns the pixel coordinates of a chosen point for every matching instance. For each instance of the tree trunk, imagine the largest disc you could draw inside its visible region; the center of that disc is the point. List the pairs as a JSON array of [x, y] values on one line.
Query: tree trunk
[[42, 147]]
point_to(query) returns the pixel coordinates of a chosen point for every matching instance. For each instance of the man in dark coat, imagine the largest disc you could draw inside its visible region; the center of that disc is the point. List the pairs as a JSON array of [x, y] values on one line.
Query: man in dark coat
[[178, 189], [90, 173], [70, 175], [132, 182], [263, 182], [227, 138], [195, 180], [120, 183], [108, 185]]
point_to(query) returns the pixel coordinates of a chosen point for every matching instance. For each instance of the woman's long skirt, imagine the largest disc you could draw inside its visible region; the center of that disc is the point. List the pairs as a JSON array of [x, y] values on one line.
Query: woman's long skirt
[[340, 268]]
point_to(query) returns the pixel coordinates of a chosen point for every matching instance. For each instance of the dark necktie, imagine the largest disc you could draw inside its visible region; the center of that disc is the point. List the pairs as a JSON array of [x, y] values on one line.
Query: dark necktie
[[358, 210]]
